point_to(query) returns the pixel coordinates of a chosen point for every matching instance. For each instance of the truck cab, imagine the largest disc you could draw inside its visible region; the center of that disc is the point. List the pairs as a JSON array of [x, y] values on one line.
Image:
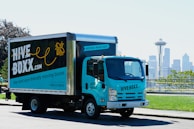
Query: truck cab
[[114, 83]]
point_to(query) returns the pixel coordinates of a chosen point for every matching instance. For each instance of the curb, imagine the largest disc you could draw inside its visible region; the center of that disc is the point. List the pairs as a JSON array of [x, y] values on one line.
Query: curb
[[4, 104], [165, 116], [9, 102]]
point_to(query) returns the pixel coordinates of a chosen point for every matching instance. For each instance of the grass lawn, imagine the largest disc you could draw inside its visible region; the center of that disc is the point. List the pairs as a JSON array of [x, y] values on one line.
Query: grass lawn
[[169, 102], [2, 96], [4, 84]]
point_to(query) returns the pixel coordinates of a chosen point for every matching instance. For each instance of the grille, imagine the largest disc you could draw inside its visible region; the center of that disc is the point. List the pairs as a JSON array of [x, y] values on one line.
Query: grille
[[130, 96]]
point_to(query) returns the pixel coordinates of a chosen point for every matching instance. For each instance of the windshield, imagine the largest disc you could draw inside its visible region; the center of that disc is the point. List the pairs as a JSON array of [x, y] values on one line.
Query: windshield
[[124, 69]]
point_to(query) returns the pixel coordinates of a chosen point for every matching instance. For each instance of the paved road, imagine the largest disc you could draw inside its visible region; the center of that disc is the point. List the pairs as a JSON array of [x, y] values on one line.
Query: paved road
[[138, 111], [12, 117]]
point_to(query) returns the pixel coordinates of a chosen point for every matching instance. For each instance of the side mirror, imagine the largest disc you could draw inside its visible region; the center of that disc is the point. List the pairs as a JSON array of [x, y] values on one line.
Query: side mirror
[[147, 69]]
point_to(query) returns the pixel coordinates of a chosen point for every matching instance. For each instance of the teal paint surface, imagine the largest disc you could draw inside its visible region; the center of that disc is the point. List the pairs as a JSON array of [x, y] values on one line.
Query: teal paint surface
[[96, 47], [47, 80]]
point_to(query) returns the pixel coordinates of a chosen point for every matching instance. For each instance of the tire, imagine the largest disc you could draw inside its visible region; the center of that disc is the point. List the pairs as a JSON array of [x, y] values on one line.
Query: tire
[[126, 113], [37, 105], [91, 110]]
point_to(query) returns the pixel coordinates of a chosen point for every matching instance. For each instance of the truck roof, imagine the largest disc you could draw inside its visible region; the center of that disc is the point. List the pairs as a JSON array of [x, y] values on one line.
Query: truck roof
[[76, 36], [115, 57]]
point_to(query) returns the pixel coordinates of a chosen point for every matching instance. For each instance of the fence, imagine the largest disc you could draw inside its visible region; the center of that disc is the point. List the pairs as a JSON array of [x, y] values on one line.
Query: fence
[[179, 86]]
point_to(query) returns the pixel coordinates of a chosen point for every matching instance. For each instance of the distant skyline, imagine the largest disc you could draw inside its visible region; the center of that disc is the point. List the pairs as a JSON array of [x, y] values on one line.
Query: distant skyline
[[171, 59], [180, 65], [138, 24]]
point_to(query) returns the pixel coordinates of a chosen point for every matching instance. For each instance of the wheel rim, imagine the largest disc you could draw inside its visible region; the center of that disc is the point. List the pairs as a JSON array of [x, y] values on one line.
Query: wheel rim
[[90, 109], [34, 104]]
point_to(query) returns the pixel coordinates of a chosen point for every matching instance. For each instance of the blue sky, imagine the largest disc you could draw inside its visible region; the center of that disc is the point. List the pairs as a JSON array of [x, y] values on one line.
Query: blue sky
[[138, 24]]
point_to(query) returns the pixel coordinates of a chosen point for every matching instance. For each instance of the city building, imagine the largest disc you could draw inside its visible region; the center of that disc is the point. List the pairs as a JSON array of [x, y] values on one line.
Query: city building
[[176, 65], [166, 63], [185, 63], [191, 65], [152, 66]]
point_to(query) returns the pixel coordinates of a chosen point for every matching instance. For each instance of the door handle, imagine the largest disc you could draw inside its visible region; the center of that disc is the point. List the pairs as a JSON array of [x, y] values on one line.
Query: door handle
[[103, 86], [86, 86]]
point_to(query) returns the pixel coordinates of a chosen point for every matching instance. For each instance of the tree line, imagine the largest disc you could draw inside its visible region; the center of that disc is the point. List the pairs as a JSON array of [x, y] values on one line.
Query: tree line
[[8, 30], [183, 79]]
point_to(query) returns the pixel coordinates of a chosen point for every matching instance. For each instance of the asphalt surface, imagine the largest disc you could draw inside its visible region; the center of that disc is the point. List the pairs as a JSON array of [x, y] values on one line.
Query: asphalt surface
[[137, 111]]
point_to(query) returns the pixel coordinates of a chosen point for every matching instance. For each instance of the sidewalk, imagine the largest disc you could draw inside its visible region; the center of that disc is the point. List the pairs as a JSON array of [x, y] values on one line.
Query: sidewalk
[[164, 113], [9, 102], [137, 111]]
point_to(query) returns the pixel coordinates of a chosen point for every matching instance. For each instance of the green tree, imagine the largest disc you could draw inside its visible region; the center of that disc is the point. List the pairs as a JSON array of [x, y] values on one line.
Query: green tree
[[182, 79], [4, 69], [9, 30]]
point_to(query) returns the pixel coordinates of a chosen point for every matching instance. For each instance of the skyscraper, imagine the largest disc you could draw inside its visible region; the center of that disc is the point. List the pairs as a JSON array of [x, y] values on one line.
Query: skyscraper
[[190, 65], [166, 63], [176, 65], [152, 67], [185, 63]]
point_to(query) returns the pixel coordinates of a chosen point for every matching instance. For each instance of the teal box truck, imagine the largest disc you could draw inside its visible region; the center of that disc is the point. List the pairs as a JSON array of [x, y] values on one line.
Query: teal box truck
[[75, 72]]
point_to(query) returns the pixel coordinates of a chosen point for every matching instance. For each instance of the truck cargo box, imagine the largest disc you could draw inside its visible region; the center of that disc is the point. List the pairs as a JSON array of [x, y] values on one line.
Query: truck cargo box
[[51, 64]]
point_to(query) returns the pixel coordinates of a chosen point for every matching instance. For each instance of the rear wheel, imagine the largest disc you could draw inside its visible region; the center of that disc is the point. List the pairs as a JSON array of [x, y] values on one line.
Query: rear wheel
[[92, 111], [37, 105], [125, 113]]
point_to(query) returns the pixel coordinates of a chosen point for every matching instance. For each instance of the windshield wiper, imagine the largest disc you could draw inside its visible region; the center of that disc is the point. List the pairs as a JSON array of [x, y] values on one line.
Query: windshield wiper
[[137, 78], [116, 77], [127, 78]]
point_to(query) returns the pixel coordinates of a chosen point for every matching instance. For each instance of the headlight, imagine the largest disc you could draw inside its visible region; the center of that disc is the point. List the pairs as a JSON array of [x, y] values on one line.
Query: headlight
[[112, 95], [112, 91], [144, 95]]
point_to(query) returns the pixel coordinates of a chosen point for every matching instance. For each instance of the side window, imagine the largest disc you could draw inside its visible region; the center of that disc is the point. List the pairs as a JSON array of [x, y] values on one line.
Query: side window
[[99, 72], [90, 68]]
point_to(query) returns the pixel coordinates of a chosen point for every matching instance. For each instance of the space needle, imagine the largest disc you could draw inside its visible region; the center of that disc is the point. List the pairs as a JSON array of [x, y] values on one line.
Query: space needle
[[160, 44]]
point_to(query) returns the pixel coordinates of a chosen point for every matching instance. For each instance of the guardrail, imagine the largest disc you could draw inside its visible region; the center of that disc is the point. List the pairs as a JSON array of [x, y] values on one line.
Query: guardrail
[[179, 86]]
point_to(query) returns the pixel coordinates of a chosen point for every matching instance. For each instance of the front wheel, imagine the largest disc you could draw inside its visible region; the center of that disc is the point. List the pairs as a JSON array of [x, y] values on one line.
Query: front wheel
[[91, 109], [125, 113]]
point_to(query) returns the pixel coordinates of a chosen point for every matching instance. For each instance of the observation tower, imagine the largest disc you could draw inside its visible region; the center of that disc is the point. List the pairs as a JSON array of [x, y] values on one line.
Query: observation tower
[[160, 44]]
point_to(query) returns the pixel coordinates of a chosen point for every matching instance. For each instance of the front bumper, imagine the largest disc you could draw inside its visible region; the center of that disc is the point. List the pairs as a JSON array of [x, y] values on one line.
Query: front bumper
[[127, 104]]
